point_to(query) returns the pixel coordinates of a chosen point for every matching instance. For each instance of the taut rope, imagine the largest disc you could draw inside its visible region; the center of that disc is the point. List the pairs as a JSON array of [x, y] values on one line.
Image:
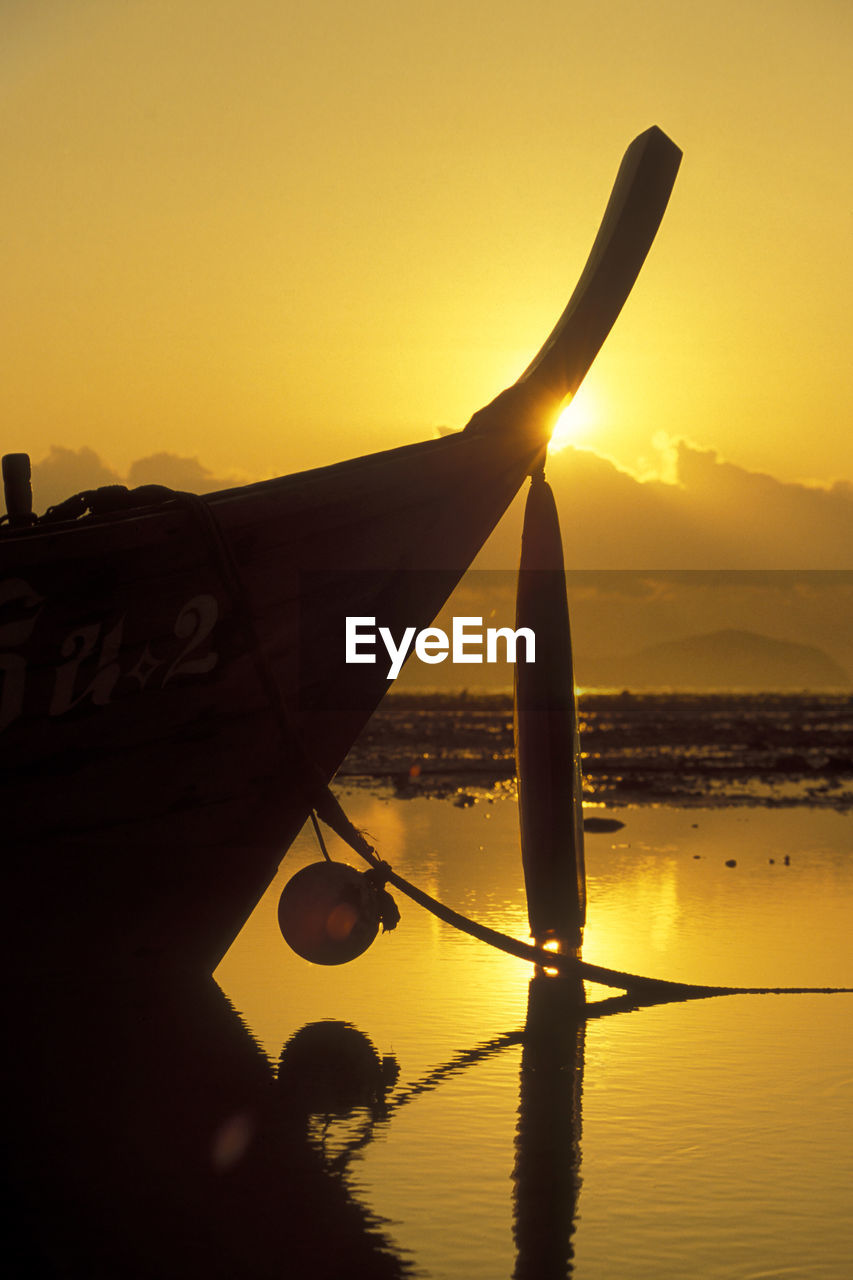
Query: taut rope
[[649, 990], [325, 804]]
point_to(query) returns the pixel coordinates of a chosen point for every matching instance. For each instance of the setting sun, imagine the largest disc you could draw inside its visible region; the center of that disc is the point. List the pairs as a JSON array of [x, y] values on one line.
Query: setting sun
[[577, 422]]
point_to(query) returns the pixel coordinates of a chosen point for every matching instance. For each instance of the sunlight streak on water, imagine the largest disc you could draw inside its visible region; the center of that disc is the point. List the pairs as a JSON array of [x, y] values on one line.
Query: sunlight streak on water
[[716, 1136]]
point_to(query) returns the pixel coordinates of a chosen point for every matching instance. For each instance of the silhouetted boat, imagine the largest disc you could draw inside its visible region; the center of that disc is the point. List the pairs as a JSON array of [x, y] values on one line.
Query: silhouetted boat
[[174, 680]]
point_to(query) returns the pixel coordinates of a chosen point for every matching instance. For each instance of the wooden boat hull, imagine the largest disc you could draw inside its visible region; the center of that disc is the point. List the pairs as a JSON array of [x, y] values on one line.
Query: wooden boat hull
[[141, 746], [173, 678]]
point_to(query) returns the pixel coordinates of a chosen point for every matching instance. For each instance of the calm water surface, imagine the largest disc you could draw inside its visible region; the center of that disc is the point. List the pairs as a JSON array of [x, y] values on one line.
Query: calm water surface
[[708, 1139]]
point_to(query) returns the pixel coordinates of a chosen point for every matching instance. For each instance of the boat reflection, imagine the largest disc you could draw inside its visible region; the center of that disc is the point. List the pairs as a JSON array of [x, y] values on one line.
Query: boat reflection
[[146, 1136], [150, 1135], [342, 1086], [337, 1076]]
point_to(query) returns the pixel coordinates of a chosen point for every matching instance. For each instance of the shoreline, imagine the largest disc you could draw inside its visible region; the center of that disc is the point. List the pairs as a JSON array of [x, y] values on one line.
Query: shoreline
[[464, 790], [686, 749]]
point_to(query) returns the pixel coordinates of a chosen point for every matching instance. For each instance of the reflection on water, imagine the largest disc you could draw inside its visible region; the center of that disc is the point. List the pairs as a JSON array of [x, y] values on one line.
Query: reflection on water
[[332, 1074], [329, 1072], [546, 1172], [419, 1111], [717, 1136], [146, 1138]]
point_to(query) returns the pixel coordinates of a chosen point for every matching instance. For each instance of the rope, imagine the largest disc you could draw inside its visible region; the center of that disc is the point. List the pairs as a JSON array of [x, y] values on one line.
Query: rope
[[319, 836], [650, 990], [323, 802]]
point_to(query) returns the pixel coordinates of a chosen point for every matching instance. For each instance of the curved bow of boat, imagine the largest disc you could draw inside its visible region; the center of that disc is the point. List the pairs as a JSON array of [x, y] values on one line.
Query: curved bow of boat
[[150, 640], [634, 211]]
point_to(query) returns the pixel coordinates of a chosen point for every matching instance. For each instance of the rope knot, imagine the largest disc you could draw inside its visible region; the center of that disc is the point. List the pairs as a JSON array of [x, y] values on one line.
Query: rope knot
[[379, 873], [389, 913]]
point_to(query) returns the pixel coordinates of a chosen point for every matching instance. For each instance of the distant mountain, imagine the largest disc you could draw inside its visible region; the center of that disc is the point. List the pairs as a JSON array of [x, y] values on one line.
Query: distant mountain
[[726, 659], [720, 660]]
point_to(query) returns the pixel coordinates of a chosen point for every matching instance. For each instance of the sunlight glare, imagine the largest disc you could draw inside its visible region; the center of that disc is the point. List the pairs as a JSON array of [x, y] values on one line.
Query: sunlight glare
[[577, 421]]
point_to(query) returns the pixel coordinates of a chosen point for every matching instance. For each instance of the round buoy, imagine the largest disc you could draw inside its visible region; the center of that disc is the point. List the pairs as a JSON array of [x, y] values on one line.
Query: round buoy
[[328, 913]]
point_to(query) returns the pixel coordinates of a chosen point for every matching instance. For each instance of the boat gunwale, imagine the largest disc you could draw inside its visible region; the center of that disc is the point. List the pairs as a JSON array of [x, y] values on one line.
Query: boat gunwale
[[296, 484]]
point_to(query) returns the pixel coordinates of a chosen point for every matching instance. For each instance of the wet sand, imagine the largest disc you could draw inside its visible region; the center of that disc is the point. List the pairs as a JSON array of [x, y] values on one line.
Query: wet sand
[[684, 749]]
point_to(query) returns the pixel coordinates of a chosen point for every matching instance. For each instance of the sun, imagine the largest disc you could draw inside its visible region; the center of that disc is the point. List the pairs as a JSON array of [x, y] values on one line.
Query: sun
[[577, 422]]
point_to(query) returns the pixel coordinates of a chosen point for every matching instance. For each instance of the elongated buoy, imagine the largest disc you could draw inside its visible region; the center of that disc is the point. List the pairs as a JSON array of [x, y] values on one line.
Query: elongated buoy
[[547, 747]]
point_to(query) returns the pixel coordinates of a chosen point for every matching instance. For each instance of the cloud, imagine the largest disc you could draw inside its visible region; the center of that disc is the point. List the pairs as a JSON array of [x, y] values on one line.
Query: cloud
[[647, 561], [765, 522], [715, 516], [65, 472], [179, 473]]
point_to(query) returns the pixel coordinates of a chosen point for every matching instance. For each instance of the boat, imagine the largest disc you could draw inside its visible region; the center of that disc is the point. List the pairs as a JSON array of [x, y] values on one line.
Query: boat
[[175, 695]]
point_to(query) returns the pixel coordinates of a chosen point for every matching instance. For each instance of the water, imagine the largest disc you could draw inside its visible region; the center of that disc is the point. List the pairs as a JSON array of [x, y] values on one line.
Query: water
[[427, 1110], [709, 1139]]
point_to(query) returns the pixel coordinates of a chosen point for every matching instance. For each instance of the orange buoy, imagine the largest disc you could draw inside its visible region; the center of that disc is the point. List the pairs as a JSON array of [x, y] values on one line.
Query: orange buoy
[[329, 913]]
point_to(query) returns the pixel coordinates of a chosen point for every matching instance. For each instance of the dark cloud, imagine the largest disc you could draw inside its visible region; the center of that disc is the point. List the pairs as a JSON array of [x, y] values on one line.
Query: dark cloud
[[68, 471], [647, 562], [717, 516], [178, 473]]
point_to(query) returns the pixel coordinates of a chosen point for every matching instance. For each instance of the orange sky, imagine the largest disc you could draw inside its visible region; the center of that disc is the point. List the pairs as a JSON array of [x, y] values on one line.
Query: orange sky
[[269, 235]]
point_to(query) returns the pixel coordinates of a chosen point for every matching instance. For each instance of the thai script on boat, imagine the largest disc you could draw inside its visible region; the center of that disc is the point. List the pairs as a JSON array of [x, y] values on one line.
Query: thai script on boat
[[92, 658], [465, 643]]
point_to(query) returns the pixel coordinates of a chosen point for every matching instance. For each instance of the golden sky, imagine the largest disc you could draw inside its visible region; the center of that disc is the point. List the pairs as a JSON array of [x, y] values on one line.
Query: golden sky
[[271, 235]]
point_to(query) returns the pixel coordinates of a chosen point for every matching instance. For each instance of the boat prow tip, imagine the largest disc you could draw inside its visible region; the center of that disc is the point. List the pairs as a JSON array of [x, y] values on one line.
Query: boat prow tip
[[637, 203], [655, 134]]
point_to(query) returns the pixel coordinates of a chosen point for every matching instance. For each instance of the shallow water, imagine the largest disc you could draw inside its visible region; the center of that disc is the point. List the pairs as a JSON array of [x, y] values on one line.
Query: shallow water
[[649, 748], [707, 1139]]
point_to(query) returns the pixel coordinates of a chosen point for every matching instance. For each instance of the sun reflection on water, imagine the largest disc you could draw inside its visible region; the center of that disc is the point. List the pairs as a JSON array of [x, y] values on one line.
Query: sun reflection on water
[[720, 1125]]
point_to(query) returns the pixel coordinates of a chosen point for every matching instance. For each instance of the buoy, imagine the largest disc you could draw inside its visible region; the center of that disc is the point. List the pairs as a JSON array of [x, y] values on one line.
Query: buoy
[[329, 913], [547, 749]]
